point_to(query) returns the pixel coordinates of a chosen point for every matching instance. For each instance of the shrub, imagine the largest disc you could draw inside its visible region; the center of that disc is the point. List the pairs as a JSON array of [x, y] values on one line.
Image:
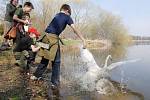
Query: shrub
[[1, 29]]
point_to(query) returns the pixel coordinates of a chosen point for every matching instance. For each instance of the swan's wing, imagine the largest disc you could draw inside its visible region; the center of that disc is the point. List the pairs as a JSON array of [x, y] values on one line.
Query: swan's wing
[[117, 64]]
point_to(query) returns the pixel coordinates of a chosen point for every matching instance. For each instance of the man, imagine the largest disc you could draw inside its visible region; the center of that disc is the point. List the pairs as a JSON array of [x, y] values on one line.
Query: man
[[19, 21], [55, 28], [18, 18], [8, 21]]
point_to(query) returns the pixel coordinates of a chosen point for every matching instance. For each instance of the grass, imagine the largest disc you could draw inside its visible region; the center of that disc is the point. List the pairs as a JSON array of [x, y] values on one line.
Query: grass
[[70, 42], [65, 41], [15, 98], [89, 43]]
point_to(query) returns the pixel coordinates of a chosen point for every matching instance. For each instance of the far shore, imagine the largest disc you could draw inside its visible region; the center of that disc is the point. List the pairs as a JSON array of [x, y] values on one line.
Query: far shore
[[92, 44]]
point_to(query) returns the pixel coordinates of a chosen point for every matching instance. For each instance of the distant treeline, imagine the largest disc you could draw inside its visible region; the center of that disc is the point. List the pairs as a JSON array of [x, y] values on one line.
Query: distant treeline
[[91, 20], [140, 37]]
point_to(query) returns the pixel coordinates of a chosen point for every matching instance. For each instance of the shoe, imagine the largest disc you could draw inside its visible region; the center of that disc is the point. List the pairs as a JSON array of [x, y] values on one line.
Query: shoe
[[10, 44], [28, 74], [3, 48], [40, 79], [33, 78], [54, 87]]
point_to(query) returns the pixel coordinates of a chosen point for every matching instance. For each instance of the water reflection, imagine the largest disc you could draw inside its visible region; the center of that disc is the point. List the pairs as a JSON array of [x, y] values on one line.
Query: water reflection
[[136, 76]]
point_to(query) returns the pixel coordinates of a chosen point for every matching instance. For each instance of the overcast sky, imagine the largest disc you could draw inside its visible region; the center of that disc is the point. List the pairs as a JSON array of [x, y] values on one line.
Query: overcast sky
[[135, 13]]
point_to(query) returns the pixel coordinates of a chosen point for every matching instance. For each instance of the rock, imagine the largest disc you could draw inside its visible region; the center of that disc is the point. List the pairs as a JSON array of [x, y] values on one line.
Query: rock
[[104, 86]]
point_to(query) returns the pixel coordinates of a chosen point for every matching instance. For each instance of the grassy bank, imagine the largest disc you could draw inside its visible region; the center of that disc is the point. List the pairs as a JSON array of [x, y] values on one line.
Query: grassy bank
[[69, 42]]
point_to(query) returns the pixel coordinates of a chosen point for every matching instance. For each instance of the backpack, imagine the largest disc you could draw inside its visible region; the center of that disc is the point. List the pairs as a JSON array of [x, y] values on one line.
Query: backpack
[[11, 34]]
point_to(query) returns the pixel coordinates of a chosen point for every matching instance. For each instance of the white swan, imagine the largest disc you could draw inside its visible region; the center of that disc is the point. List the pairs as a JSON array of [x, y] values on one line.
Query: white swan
[[91, 80], [88, 58]]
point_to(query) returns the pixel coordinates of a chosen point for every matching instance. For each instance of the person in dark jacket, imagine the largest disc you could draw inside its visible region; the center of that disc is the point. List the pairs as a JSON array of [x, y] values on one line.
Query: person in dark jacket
[[8, 21]]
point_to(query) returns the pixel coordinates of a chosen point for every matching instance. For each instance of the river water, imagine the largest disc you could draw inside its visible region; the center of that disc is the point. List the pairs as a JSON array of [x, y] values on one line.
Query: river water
[[131, 79], [136, 75]]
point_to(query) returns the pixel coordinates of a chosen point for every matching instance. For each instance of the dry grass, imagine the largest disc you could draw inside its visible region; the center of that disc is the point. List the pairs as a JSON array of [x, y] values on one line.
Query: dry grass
[[10, 79], [1, 38]]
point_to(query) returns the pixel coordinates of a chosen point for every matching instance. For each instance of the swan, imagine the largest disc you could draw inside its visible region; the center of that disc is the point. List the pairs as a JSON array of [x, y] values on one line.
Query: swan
[[91, 80]]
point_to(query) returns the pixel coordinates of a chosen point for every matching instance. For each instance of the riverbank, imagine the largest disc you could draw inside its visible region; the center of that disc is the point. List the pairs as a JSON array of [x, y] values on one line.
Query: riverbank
[[14, 84]]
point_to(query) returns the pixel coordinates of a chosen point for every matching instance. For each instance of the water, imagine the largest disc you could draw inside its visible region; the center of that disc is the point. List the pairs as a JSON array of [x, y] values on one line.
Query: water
[[136, 75], [131, 79]]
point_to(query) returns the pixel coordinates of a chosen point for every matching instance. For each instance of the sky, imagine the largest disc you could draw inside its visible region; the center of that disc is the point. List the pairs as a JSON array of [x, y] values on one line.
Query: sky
[[134, 13]]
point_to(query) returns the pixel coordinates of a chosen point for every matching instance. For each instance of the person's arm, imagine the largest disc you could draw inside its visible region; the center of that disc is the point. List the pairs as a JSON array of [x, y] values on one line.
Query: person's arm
[[15, 17], [78, 34], [34, 49]]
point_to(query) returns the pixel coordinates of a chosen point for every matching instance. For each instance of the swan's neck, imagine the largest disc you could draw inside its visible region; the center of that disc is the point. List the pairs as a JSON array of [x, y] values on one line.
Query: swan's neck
[[106, 62]]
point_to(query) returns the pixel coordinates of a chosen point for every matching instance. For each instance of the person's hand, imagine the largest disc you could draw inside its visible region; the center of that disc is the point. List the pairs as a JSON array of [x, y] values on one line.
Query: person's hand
[[26, 22], [84, 44]]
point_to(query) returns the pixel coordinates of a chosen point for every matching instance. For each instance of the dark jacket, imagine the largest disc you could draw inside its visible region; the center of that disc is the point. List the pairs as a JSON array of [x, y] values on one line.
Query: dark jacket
[[10, 10]]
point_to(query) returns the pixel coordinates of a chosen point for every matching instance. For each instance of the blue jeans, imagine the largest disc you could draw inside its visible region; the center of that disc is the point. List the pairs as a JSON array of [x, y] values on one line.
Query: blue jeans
[[55, 78]]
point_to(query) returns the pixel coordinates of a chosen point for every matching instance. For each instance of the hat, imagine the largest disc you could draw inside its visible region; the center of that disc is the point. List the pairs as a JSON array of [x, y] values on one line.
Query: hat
[[33, 30]]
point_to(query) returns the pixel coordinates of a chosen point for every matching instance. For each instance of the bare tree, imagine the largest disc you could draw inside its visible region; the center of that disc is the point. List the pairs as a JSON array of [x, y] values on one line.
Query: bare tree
[[92, 21]]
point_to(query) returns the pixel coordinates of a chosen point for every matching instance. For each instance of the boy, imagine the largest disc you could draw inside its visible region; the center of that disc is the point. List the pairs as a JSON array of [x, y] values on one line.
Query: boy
[[18, 18], [26, 45], [55, 28]]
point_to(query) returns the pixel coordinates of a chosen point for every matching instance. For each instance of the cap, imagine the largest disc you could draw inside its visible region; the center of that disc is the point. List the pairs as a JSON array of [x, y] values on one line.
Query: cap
[[33, 30]]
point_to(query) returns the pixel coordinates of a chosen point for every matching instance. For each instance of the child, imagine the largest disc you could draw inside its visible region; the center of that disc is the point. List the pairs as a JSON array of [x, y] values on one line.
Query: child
[[26, 45], [18, 18]]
